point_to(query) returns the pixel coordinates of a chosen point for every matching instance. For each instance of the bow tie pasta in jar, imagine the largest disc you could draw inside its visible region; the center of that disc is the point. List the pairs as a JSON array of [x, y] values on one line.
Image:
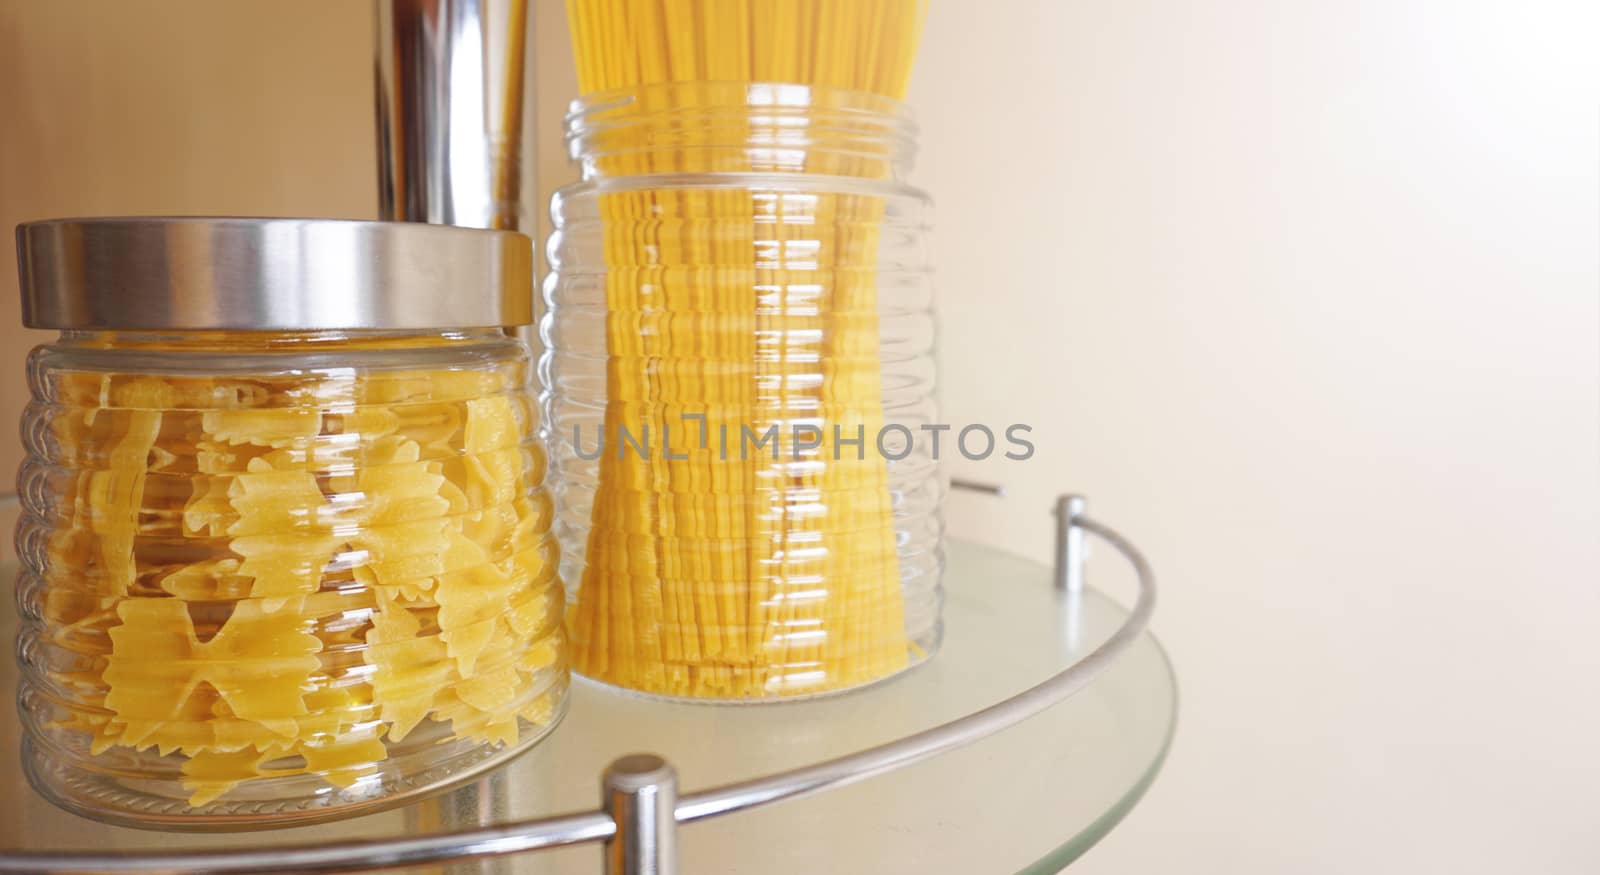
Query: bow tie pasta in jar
[[286, 549]]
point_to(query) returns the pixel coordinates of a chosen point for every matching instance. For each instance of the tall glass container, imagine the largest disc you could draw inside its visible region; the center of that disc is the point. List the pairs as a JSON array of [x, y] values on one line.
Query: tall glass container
[[286, 545], [738, 362]]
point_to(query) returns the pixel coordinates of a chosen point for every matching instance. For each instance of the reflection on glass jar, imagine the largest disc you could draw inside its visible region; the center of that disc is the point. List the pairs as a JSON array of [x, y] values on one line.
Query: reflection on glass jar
[[279, 575], [738, 348]]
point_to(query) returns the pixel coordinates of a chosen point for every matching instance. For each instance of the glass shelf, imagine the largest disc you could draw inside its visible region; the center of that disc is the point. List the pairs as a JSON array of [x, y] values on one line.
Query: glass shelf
[[1031, 798]]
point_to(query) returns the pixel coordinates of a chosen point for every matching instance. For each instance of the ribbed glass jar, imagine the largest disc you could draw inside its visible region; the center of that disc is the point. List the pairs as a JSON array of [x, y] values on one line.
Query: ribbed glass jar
[[738, 362], [277, 576]]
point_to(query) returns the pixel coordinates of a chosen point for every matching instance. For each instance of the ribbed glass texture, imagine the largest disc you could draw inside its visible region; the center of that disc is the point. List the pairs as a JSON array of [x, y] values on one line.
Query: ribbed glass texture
[[277, 577], [738, 359]]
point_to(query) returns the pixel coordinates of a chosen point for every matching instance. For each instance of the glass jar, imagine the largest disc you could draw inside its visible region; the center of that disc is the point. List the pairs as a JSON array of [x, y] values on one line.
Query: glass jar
[[738, 368], [286, 548]]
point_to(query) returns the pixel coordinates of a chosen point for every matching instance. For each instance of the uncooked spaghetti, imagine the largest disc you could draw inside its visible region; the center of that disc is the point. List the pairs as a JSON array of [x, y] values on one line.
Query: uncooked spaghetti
[[716, 572]]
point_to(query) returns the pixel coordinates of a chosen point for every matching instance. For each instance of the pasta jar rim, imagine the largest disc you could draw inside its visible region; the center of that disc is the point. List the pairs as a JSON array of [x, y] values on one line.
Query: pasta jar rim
[[197, 273]]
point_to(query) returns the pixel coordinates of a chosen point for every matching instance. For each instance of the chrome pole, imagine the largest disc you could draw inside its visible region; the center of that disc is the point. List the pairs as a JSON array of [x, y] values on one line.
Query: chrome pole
[[640, 792], [1069, 543], [450, 93], [998, 490]]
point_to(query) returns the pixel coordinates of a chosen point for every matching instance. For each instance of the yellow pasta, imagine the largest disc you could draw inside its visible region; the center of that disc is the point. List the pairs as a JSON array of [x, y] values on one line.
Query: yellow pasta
[[271, 428], [284, 543], [257, 663], [721, 574], [290, 575]]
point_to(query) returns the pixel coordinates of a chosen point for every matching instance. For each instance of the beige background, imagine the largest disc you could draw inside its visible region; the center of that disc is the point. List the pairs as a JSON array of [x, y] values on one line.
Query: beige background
[[1305, 296]]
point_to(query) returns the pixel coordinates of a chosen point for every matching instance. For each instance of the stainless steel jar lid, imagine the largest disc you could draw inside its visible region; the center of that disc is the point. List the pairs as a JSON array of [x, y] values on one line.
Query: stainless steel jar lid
[[198, 274]]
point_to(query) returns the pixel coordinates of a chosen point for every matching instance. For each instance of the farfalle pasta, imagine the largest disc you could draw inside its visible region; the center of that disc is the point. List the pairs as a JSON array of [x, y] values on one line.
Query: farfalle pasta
[[333, 583]]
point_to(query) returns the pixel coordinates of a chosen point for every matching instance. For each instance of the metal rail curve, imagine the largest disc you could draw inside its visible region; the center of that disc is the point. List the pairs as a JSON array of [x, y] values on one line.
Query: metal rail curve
[[598, 826]]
